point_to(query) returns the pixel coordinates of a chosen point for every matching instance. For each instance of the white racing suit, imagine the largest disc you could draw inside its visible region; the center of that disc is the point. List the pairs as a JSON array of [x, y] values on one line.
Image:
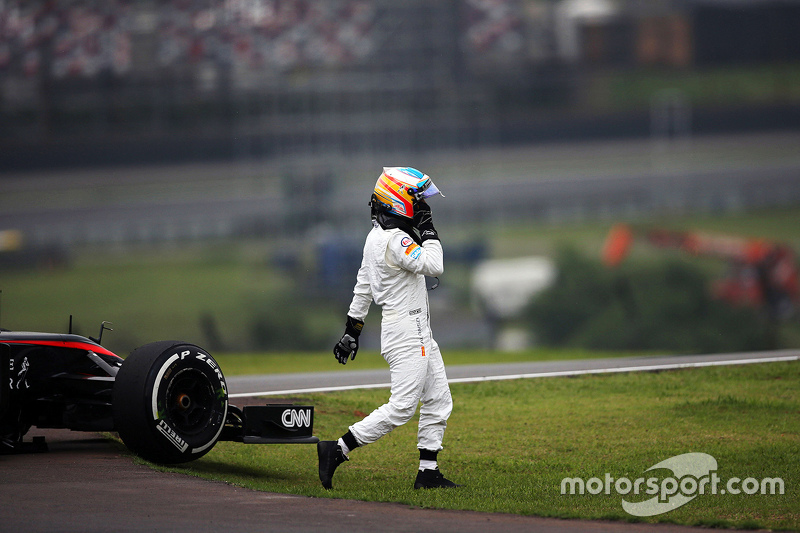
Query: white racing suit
[[393, 274]]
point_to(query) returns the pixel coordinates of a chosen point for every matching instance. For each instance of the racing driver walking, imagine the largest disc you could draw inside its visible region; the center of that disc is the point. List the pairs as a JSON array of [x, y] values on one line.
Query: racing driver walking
[[402, 248]]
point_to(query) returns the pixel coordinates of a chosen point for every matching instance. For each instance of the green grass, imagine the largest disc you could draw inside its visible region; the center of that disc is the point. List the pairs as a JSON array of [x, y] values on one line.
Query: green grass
[[511, 443], [158, 294], [711, 87], [147, 296]]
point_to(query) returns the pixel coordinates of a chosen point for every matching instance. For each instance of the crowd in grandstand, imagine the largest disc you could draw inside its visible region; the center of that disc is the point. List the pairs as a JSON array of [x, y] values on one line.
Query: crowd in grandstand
[[281, 34], [75, 39], [493, 26], [84, 38]]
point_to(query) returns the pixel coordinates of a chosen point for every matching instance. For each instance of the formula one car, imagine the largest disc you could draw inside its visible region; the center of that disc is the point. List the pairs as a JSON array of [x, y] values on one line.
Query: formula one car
[[167, 400]]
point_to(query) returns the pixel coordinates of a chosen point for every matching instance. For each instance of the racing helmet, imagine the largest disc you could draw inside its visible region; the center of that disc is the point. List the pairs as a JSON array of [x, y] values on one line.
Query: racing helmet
[[398, 189]]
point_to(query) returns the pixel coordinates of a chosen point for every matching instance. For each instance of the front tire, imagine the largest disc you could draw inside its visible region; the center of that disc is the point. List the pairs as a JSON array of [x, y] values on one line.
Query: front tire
[[170, 402]]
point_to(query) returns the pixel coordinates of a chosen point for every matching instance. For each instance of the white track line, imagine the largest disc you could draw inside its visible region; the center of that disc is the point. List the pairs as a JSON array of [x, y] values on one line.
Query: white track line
[[562, 373]]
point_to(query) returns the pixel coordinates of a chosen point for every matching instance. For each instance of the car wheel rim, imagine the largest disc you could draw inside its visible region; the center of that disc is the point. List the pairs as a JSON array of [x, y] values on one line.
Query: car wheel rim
[[189, 402]]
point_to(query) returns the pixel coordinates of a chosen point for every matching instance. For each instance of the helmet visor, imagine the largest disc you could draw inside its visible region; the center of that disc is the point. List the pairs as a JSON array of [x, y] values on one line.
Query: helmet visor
[[427, 190]]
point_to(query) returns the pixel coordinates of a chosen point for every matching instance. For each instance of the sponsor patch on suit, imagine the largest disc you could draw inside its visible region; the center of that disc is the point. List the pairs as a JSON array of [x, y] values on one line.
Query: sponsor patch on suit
[[413, 250]]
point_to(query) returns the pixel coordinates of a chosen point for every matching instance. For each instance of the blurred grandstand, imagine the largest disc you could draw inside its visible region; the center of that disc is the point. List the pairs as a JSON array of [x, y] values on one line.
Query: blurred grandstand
[[268, 97], [120, 81]]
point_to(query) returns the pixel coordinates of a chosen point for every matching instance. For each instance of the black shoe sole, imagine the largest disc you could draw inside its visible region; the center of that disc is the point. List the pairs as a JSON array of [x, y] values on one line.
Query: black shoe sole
[[418, 486]]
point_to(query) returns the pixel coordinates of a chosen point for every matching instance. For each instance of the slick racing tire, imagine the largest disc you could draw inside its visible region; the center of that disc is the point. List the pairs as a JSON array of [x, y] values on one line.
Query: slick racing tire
[[170, 401]]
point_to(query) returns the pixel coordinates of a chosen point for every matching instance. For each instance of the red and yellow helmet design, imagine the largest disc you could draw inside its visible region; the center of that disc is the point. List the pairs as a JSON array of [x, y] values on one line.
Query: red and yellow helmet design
[[399, 188]]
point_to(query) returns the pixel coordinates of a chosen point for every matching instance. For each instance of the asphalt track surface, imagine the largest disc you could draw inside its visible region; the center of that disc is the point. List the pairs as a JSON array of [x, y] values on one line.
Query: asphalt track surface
[[87, 483]]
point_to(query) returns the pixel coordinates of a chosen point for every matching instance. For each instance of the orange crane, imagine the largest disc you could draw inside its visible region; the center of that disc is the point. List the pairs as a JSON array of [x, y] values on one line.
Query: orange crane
[[761, 274]]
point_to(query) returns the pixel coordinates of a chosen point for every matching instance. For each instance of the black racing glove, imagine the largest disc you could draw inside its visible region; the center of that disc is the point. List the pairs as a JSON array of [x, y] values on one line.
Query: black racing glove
[[348, 345], [423, 221]]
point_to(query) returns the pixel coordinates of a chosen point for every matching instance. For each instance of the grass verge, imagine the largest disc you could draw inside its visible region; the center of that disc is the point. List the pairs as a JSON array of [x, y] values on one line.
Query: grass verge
[[511, 444]]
